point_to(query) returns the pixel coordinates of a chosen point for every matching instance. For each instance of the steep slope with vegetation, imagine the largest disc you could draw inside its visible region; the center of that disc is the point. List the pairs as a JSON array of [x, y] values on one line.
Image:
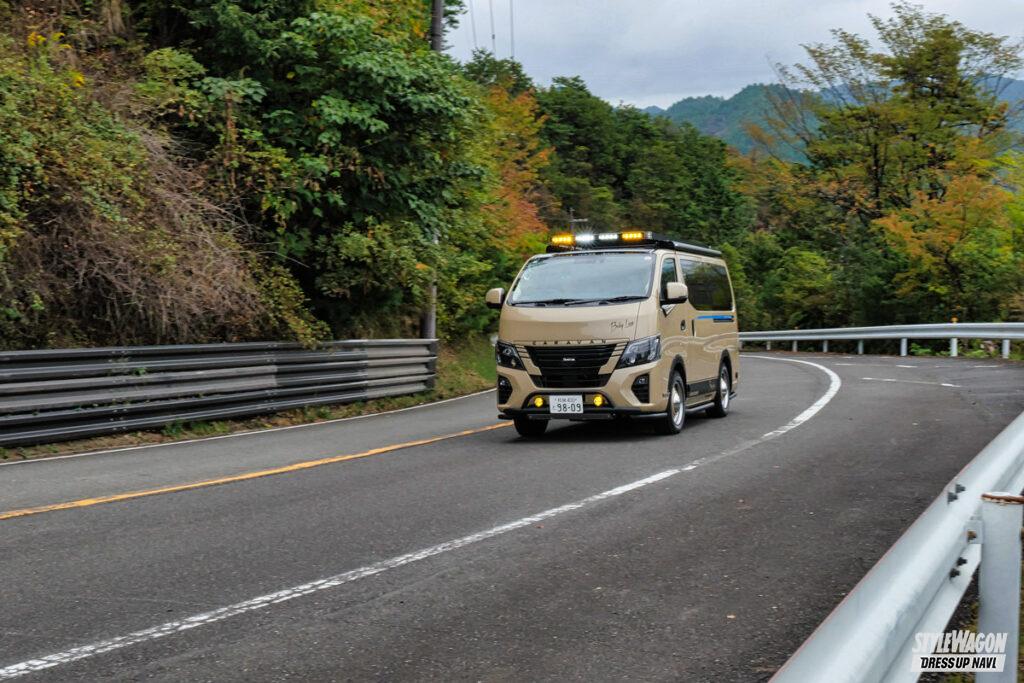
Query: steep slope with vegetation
[[253, 169], [211, 170]]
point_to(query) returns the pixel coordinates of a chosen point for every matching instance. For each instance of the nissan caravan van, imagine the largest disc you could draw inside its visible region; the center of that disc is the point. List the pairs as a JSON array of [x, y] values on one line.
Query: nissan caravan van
[[613, 325]]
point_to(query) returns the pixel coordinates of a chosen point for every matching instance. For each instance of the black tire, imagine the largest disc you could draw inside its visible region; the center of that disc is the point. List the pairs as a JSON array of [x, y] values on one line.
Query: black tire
[[723, 396], [530, 429], [675, 420]]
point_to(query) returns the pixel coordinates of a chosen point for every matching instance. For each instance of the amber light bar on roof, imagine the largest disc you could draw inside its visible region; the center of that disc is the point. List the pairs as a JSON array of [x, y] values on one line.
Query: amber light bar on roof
[[632, 238], [586, 238]]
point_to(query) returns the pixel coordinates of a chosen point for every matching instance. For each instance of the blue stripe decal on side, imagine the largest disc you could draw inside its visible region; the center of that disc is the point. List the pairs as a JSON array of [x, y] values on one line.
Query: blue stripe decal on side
[[716, 318]]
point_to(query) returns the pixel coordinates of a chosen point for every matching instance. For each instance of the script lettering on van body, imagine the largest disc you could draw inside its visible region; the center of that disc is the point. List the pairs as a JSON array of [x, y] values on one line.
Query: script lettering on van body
[[622, 326]]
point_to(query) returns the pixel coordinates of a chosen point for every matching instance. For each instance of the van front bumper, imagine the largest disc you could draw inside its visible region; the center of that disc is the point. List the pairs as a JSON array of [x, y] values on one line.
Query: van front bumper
[[589, 414], [617, 392]]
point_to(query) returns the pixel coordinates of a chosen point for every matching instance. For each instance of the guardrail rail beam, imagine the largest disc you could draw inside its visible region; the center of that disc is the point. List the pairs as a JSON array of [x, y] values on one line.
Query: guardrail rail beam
[[52, 395], [953, 332], [916, 585]]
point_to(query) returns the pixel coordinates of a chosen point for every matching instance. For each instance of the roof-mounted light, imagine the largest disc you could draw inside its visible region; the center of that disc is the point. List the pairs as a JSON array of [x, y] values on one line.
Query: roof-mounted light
[[627, 238]]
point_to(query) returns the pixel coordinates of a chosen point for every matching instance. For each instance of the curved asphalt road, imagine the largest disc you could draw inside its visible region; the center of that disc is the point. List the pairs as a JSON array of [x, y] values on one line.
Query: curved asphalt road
[[483, 556]]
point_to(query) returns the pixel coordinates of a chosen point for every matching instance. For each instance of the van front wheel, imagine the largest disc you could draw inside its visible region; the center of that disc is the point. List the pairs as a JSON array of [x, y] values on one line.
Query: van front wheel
[[723, 394], [673, 421], [530, 429]]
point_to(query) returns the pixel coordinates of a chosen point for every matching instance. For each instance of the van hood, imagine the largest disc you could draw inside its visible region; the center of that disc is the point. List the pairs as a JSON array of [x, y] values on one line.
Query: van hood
[[573, 324]]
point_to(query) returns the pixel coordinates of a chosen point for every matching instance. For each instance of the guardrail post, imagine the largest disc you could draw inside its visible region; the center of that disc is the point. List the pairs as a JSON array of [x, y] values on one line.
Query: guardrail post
[[1006, 348], [903, 347], [1002, 515], [952, 347], [768, 346], [824, 346], [860, 347], [794, 345]]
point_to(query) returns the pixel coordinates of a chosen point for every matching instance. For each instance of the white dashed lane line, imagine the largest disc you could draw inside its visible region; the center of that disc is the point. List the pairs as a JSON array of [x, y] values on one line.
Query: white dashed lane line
[[908, 381]]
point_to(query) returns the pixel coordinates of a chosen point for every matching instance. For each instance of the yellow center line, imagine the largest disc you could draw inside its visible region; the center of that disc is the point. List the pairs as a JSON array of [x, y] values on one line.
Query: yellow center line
[[245, 476]]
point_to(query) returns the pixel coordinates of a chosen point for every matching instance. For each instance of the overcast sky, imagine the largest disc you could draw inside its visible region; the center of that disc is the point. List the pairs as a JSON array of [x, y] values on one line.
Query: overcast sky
[[646, 52]]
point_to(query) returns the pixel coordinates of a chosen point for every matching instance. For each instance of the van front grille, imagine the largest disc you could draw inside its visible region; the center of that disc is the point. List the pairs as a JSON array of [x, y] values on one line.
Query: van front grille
[[570, 366]]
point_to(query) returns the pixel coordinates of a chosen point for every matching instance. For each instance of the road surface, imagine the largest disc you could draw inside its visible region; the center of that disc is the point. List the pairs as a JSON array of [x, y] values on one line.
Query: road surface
[[431, 544]]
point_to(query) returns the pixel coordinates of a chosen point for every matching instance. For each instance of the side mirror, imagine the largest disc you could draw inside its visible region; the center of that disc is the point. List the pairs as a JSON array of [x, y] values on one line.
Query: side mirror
[[677, 293], [495, 297]]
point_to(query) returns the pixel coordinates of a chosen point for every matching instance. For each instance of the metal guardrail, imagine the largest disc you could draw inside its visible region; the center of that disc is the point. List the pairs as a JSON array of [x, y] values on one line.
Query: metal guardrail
[[59, 394], [918, 583], [951, 331]]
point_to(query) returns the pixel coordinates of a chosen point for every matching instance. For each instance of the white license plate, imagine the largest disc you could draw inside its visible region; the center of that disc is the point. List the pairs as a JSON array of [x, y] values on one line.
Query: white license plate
[[566, 405]]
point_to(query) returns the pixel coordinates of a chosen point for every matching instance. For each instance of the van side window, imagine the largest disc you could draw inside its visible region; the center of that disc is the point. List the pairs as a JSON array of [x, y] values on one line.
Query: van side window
[[708, 285], [668, 274]]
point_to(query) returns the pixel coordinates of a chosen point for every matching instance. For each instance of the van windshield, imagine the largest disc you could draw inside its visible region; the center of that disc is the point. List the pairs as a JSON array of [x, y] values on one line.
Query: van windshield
[[586, 278]]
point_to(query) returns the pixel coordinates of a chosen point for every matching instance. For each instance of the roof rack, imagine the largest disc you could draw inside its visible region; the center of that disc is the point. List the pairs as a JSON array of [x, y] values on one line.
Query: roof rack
[[626, 238]]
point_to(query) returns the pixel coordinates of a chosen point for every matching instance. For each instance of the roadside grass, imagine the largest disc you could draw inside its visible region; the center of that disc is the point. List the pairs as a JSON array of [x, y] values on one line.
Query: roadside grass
[[462, 368], [968, 348]]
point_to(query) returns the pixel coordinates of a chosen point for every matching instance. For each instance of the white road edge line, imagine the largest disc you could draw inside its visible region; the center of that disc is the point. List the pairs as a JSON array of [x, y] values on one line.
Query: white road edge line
[[172, 627], [235, 434], [909, 381], [833, 389]]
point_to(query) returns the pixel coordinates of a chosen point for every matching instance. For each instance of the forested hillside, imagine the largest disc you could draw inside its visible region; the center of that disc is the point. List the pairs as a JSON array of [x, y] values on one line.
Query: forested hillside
[[266, 169], [730, 118], [725, 118]]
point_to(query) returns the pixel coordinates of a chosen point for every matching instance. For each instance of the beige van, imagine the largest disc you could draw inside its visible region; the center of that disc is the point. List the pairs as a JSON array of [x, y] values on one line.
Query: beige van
[[614, 325]]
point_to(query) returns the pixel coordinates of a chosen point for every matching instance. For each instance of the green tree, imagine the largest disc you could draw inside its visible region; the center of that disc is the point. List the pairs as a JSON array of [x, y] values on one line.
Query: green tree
[[887, 132], [618, 166]]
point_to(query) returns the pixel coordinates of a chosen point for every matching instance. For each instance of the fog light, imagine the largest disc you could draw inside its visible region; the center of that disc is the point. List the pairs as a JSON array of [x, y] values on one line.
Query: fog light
[[599, 400], [538, 401]]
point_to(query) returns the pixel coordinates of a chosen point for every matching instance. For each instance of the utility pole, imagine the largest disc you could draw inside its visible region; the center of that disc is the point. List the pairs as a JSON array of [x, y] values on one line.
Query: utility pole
[[437, 26], [573, 221], [428, 321]]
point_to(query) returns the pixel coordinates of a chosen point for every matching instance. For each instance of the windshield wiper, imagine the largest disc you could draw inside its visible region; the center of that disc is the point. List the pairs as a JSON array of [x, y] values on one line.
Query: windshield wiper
[[543, 302], [608, 300]]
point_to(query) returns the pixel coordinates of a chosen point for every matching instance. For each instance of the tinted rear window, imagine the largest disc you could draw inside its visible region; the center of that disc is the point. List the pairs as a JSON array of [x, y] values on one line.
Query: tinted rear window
[[708, 285]]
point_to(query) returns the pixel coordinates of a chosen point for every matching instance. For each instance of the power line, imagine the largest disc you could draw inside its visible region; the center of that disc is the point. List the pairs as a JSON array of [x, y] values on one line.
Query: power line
[[472, 23], [512, 27], [494, 38]]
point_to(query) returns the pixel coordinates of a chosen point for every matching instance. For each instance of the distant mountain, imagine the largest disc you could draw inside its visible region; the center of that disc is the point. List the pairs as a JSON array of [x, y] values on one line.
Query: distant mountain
[[726, 118], [722, 117]]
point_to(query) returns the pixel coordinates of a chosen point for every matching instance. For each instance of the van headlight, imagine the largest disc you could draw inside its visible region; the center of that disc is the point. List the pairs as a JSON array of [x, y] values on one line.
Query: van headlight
[[641, 351], [506, 356]]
